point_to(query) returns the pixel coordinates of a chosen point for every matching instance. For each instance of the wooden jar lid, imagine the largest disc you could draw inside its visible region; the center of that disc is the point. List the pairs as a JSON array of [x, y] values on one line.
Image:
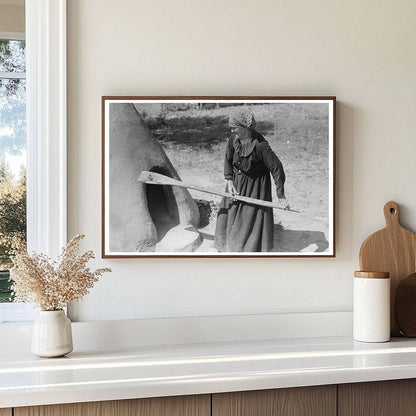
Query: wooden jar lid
[[372, 275]]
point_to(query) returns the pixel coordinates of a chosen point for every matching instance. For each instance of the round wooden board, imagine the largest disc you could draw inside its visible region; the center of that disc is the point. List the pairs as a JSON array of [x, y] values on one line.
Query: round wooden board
[[405, 306]]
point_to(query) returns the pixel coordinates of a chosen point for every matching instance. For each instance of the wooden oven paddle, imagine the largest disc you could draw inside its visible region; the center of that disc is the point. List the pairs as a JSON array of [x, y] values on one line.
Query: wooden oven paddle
[[154, 178], [393, 250]]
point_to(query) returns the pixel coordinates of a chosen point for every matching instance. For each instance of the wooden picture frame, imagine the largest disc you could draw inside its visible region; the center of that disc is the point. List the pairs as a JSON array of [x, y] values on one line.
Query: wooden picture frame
[[166, 162]]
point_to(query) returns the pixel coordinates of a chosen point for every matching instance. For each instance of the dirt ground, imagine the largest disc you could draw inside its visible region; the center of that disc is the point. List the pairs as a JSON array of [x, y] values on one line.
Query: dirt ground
[[195, 139]]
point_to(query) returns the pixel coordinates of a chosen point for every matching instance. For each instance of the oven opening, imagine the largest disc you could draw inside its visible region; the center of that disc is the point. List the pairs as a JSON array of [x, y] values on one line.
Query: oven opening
[[162, 206]]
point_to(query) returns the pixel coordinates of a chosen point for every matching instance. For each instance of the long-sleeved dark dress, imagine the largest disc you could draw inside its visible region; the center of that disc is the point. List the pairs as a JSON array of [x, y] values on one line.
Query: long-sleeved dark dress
[[243, 227]]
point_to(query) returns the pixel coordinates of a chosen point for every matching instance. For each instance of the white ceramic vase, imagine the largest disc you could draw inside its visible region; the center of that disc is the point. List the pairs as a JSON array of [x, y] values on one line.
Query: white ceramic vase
[[52, 334]]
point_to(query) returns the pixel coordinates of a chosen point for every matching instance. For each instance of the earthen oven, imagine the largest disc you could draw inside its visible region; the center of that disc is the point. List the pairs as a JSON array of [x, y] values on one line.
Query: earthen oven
[[140, 215]]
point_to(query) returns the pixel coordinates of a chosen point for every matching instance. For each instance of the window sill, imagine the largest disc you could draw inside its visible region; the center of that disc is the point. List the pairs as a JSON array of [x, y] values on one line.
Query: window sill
[[16, 313]]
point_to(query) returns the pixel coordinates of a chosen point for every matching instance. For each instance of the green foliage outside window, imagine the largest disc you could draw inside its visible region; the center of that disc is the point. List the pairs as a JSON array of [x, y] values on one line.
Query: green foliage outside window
[[12, 223]]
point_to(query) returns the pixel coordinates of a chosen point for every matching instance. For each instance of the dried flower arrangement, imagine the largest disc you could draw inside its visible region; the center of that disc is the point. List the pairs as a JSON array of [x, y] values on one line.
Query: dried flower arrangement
[[53, 285]]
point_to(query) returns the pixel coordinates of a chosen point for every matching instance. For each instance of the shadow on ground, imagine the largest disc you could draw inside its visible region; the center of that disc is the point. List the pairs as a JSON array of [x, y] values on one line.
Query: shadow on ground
[[299, 240]]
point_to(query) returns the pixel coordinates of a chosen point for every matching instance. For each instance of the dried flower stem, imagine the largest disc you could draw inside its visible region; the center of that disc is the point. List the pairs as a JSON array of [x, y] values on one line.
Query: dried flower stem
[[53, 285]]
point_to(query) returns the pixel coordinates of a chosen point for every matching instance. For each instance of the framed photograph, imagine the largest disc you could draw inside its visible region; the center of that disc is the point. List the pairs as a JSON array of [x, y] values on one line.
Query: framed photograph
[[218, 176]]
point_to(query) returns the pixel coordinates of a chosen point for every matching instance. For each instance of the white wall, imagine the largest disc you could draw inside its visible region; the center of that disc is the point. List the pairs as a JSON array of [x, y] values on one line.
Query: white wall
[[363, 52]]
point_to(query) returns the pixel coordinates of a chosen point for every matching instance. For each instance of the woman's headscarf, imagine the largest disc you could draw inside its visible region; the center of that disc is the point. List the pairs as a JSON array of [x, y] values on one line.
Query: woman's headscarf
[[242, 117]]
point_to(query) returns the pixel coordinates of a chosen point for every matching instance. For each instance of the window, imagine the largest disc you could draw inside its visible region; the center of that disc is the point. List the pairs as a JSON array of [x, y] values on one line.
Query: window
[[12, 153], [46, 135]]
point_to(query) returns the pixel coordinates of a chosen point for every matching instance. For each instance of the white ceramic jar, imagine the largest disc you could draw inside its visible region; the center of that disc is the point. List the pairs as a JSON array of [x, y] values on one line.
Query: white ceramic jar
[[371, 313], [52, 334]]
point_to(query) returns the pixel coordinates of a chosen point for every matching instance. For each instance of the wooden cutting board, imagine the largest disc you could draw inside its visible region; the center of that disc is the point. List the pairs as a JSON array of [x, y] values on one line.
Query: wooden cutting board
[[393, 250]]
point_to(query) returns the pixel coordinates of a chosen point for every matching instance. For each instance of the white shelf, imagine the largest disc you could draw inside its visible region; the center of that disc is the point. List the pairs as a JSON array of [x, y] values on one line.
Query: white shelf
[[150, 371]]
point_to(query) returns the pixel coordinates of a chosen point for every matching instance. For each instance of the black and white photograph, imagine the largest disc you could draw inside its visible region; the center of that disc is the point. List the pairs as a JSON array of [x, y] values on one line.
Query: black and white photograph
[[218, 176]]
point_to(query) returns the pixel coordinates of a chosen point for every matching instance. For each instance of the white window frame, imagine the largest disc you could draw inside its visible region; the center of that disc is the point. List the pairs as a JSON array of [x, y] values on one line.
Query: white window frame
[[46, 127]]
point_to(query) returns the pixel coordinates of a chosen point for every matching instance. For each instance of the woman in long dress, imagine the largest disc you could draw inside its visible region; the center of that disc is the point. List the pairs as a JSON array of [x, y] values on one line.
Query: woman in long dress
[[249, 165]]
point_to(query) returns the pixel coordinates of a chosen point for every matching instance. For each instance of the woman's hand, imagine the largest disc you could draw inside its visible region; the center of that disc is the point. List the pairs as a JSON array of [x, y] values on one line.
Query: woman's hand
[[284, 203], [230, 187]]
